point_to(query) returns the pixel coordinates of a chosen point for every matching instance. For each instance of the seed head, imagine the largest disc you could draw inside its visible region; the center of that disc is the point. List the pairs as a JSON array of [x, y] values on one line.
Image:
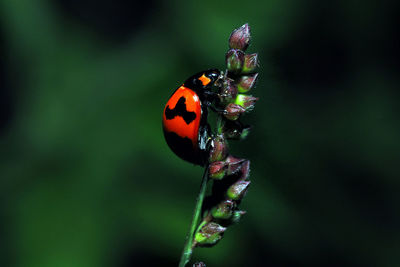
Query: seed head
[[247, 82], [233, 111], [217, 170], [250, 63], [234, 164], [238, 190], [209, 234], [219, 148], [246, 101], [223, 210], [234, 60], [240, 38]]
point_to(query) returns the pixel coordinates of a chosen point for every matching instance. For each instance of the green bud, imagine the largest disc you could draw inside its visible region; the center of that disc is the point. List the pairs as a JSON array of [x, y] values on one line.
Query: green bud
[[247, 82], [250, 63], [217, 170], [238, 190], [240, 38], [200, 238], [209, 234], [246, 101], [234, 60], [223, 210]]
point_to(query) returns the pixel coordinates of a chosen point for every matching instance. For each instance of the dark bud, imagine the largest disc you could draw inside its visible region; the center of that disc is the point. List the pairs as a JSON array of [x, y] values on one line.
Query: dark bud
[[247, 82], [240, 38], [235, 130], [219, 148], [246, 101], [250, 63], [234, 164], [245, 132], [233, 111], [223, 210], [234, 60], [238, 190], [237, 215], [209, 234], [228, 91], [217, 170]]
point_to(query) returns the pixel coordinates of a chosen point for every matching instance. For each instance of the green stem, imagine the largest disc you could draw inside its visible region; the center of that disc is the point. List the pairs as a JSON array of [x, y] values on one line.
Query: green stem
[[188, 249], [219, 124]]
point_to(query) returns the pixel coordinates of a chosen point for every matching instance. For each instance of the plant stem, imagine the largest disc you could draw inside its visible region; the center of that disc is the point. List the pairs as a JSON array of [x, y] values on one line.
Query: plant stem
[[188, 249], [219, 124]]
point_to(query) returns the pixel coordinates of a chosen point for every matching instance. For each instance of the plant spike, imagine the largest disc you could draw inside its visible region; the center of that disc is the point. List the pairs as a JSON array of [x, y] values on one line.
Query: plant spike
[[230, 175]]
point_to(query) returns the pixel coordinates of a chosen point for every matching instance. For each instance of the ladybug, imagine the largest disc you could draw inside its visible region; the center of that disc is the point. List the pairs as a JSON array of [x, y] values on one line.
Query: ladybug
[[184, 119]]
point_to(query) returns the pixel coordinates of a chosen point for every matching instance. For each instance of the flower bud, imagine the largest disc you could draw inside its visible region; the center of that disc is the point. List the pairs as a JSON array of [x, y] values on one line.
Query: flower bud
[[228, 91], [219, 148], [233, 111], [246, 101], [209, 234], [237, 215], [217, 170], [247, 82], [240, 38], [223, 210], [234, 60], [250, 63], [238, 190], [234, 164]]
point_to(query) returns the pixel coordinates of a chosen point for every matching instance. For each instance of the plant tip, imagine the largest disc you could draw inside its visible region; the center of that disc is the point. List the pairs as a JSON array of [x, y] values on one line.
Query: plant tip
[[240, 38]]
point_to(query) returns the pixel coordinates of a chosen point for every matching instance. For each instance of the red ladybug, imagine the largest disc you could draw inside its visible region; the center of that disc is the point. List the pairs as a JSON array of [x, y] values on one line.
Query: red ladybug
[[185, 125]]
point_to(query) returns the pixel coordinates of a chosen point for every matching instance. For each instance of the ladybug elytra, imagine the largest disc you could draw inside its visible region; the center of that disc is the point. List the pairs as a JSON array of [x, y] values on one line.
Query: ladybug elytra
[[184, 121]]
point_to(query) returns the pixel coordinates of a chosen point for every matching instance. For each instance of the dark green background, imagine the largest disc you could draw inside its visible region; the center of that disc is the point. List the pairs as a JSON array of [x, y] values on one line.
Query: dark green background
[[86, 178]]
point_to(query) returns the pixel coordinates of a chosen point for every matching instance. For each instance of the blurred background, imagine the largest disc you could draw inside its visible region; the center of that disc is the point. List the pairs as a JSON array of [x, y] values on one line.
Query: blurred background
[[86, 178]]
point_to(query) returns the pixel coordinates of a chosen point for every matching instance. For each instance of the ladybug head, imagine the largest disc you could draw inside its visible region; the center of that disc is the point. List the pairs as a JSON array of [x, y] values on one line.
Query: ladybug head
[[203, 80], [210, 77]]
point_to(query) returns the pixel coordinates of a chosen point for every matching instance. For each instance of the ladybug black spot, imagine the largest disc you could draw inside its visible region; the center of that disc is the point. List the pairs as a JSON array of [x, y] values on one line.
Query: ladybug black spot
[[180, 110], [183, 147]]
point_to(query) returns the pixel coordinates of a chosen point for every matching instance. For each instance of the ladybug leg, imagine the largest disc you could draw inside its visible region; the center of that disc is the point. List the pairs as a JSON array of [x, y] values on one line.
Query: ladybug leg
[[217, 110], [213, 108], [205, 137], [210, 93]]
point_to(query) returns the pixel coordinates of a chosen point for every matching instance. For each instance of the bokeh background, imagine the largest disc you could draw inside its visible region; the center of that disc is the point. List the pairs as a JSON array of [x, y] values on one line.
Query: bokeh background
[[86, 178]]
